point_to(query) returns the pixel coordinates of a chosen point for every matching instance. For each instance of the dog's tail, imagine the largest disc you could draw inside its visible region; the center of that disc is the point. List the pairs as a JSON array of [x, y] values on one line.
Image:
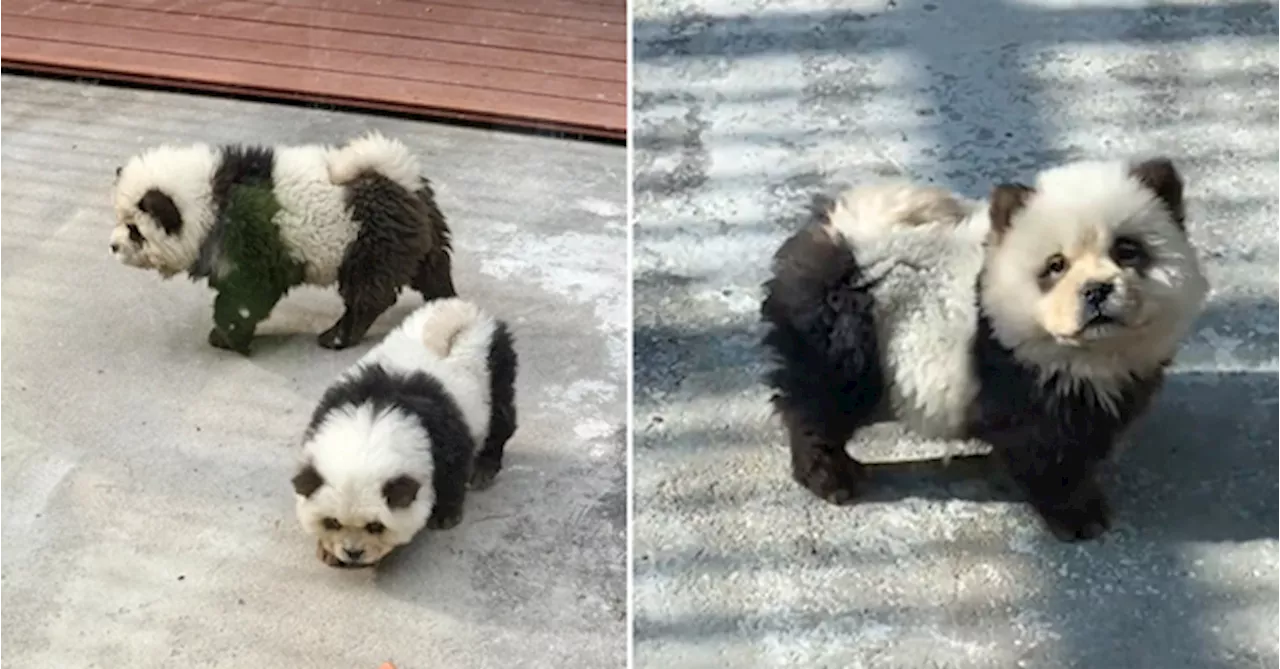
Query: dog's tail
[[874, 209], [374, 152], [447, 320]]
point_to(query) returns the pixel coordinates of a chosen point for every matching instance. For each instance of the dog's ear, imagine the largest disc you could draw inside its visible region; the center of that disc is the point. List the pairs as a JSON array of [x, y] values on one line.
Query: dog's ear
[[1163, 179], [119, 169], [307, 481], [161, 207], [1006, 200], [400, 491]]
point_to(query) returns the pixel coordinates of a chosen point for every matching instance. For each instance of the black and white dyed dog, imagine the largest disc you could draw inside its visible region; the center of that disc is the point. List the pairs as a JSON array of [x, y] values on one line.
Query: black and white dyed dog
[[392, 447], [360, 215], [1040, 322]]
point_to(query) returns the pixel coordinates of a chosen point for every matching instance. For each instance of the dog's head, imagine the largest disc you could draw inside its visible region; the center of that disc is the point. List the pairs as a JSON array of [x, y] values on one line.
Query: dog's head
[[365, 487], [163, 207], [1092, 269]]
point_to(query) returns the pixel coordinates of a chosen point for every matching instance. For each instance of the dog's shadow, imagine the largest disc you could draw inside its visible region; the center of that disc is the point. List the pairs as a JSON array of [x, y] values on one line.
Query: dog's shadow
[[1200, 467]]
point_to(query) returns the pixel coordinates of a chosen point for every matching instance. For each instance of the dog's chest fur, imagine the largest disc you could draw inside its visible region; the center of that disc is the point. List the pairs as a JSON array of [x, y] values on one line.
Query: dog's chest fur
[[923, 284]]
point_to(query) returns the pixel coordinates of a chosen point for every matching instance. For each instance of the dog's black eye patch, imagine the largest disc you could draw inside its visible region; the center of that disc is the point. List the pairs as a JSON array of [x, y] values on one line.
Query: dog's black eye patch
[[332, 524], [375, 527], [135, 236], [1128, 252]]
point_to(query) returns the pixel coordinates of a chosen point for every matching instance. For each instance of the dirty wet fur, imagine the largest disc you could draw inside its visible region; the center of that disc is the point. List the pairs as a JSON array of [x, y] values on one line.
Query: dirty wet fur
[[392, 249], [1049, 430]]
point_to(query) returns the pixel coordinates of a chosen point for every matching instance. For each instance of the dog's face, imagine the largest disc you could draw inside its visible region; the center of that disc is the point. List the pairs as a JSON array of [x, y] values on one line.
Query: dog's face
[[360, 499], [161, 201], [1093, 262]]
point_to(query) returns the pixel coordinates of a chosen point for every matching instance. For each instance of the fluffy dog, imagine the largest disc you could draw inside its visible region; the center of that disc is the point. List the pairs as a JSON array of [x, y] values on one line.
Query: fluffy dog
[[392, 446], [256, 221], [1040, 321]]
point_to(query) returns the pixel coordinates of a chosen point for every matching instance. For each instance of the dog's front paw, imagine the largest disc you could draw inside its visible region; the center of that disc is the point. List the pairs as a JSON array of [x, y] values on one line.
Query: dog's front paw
[[218, 339], [443, 519], [1086, 515], [834, 479], [484, 473], [326, 557], [333, 338]]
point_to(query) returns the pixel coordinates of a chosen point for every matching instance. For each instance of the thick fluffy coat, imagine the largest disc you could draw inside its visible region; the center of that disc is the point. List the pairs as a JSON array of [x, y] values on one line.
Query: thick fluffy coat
[[1040, 321], [392, 446], [256, 221]]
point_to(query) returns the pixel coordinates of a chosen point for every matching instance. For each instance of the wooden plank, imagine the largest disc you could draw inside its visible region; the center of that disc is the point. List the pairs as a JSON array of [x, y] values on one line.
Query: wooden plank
[[339, 88], [307, 59], [430, 53], [610, 26], [358, 24], [552, 64]]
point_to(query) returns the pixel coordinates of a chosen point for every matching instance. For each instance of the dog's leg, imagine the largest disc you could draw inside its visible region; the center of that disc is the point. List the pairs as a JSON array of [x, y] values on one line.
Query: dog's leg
[[829, 381], [502, 417], [236, 313], [451, 492], [362, 308], [1059, 480], [434, 278]]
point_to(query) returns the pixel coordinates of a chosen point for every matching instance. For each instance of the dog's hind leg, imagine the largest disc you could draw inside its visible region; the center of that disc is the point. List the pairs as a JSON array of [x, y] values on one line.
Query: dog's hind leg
[[502, 416], [434, 275], [828, 382]]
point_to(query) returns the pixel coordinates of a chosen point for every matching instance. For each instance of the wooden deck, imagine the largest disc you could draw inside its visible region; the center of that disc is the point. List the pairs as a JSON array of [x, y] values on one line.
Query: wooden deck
[[547, 64]]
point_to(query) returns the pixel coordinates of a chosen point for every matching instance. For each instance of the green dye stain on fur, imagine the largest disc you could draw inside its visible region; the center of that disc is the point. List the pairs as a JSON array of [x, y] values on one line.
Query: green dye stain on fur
[[261, 269]]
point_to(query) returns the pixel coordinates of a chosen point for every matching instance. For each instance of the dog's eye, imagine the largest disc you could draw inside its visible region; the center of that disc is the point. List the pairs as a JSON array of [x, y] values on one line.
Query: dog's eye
[[332, 524], [1054, 266], [1128, 252], [375, 527], [134, 235]]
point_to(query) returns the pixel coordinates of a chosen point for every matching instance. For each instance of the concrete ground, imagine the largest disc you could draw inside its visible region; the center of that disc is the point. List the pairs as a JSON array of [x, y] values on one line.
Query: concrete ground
[[147, 511], [743, 110]]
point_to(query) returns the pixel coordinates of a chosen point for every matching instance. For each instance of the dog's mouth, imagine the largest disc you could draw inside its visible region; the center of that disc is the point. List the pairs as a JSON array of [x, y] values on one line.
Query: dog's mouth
[[341, 564]]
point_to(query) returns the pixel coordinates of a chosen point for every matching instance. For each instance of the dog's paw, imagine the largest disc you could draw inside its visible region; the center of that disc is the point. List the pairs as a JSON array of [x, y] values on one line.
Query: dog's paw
[[327, 557], [218, 339], [333, 339], [444, 519], [484, 474], [834, 480], [1086, 516]]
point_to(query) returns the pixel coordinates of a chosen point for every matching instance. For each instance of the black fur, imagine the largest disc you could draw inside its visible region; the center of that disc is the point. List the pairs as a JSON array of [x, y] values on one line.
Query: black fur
[[423, 397], [238, 165], [502, 417], [403, 240], [307, 481], [830, 381], [161, 208], [1051, 442]]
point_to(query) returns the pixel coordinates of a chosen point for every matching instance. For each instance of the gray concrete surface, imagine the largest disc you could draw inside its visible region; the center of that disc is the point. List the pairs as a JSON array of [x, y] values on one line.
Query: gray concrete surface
[[743, 109], [147, 511]]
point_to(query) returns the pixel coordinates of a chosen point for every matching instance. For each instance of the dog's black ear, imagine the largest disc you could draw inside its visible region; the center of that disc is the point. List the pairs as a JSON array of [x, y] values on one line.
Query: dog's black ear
[[1162, 177], [1006, 200], [307, 481], [400, 491], [119, 170], [161, 207]]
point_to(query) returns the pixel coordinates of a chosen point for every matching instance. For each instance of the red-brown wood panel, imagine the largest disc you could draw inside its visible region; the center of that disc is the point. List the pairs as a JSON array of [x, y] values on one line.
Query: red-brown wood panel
[[551, 64]]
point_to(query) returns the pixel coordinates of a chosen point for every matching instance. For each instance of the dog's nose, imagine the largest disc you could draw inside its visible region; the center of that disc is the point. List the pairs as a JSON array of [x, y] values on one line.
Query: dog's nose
[[353, 554], [115, 247], [1097, 292]]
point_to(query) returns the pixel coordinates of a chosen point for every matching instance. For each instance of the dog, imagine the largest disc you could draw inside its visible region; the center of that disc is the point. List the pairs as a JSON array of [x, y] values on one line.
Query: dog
[[392, 446], [257, 221], [1040, 321]]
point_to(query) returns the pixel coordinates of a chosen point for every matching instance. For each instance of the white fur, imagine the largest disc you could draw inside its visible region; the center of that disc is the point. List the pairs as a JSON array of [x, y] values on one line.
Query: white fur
[[356, 451], [313, 219], [373, 151], [926, 261]]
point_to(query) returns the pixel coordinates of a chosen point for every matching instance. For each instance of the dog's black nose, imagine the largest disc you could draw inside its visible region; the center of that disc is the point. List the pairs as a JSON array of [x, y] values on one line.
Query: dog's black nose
[[353, 555], [1097, 292], [114, 247]]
